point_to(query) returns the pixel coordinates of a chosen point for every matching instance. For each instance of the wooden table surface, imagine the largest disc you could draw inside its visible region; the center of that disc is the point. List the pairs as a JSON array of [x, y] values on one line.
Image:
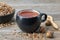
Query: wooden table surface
[[14, 33]]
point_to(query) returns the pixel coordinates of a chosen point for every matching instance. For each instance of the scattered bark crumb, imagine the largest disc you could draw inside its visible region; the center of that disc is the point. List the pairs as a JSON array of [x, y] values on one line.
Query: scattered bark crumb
[[6, 24]]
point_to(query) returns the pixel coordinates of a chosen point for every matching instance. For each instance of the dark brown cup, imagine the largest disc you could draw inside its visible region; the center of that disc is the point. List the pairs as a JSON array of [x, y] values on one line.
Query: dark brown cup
[[30, 25]]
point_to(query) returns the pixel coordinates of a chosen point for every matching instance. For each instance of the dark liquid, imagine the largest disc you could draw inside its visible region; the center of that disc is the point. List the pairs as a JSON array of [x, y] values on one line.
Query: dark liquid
[[28, 14]]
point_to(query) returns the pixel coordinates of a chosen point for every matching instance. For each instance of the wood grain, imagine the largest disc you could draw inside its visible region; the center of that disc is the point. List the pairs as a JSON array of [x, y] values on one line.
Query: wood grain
[[14, 33]]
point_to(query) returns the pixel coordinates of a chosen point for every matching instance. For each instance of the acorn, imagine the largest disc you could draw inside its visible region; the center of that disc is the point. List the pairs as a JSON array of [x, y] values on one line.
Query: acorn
[[48, 23], [49, 34], [42, 29]]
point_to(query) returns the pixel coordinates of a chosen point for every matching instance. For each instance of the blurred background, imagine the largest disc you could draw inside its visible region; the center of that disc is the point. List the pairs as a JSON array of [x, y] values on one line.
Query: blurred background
[[50, 7]]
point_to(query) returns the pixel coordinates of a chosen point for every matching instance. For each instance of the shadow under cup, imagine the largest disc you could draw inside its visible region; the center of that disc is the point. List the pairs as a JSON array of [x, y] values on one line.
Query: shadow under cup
[[29, 20]]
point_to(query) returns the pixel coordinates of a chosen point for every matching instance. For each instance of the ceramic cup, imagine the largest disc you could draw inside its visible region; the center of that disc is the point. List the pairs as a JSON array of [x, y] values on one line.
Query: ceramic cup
[[31, 24]]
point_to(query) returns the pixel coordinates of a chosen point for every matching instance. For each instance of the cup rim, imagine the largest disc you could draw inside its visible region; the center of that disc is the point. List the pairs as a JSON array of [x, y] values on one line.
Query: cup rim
[[32, 10]]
